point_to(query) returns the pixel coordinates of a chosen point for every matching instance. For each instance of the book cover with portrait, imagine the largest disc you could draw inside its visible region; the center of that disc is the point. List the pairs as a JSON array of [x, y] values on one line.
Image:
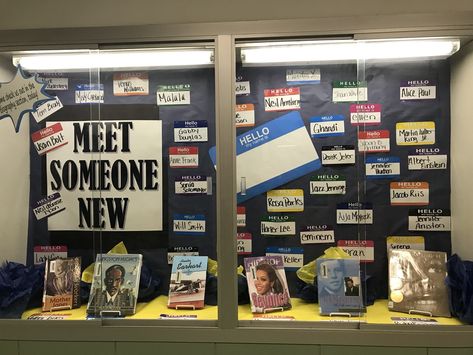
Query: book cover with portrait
[[267, 284], [339, 288], [115, 285], [187, 285], [61, 284], [417, 282]]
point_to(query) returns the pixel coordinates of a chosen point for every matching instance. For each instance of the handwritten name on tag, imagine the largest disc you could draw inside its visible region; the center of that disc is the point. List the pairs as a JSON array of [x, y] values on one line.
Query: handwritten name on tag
[[183, 157], [244, 243], [426, 159], [285, 200], [48, 252], [56, 83], [417, 90], [303, 76], [181, 251], [321, 234], [193, 185], [169, 95], [282, 99], [434, 220], [349, 91], [188, 224], [293, 258], [241, 216], [415, 133], [405, 243], [130, 84], [245, 115], [365, 114], [338, 155], [409, 193], [327, 126], [362, 250], [48, 206], [328, 185], [383, 167], [414, 321], [190, 131], [49, 316], [48, 139], [89, 94], [242, 88], [47, 109], [354, 213], [278, 226], [373, 141]]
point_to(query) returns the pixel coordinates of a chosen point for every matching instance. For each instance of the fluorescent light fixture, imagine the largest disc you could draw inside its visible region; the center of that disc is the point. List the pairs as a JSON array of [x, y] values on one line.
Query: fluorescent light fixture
[[348, 50], [116, 59]]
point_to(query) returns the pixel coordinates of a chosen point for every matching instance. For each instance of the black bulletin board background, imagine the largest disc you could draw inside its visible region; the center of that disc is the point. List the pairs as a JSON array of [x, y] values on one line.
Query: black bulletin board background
[[316, 100]]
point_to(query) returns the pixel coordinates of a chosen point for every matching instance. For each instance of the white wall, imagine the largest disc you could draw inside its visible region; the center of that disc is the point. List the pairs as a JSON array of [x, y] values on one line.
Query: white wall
[[14, 184], [462, 153]]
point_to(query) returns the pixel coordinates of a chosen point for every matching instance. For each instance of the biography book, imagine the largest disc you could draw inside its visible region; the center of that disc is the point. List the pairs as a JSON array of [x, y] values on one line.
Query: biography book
[[417, 282], [187, 285], [115, 285], [61, 284], [339, 287], [267, 284]]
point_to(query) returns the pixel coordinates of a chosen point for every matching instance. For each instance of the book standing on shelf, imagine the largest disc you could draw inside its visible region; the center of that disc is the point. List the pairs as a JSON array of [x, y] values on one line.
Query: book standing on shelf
[[267, 284], [114, 290], [61, 284], [187, 286]]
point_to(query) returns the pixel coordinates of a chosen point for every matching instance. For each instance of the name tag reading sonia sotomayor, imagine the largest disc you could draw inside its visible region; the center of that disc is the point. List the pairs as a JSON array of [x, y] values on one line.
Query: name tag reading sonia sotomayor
[[365, 114], [383, 167], [320, 234], [188, 224], [409, 193], [328, 185], [278, 226], [271, 155], [291, 200], [433, 220], [193, 185], [327, 126], [338, 155]]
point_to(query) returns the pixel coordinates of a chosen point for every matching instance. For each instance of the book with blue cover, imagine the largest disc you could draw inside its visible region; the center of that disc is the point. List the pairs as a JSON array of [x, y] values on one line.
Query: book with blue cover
[[339, 286]]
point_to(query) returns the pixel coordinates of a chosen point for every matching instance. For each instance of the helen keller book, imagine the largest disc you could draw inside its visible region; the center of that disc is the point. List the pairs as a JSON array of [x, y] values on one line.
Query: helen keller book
[[61, 284], [417, 282], [338, 284], [187, 286], [115, 285], [267, 284]]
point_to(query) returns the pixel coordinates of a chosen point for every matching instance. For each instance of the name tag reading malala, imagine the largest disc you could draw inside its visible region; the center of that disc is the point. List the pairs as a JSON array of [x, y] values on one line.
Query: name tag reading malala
[[241, 216], [48, 206], [282, 99], [327, 126], [285, 200], [49, 138], [242, 88], [405, 243], [365, 114], [373, 141], [244, 243], [190, 131], [183, 157], [47, 109], [349, 91], [245, 115], [418, 90], [383, 167], [362, 250], [130, 84], [89, 94], [303, 76], [171, 95], [320, 234], [328, 185], [278, 226], [415, 133], [434, 220], [193, 185], [271, 155], [409, 193], [189, 224], [426, 159], [354, 213], [293, 258], [338, 155]]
